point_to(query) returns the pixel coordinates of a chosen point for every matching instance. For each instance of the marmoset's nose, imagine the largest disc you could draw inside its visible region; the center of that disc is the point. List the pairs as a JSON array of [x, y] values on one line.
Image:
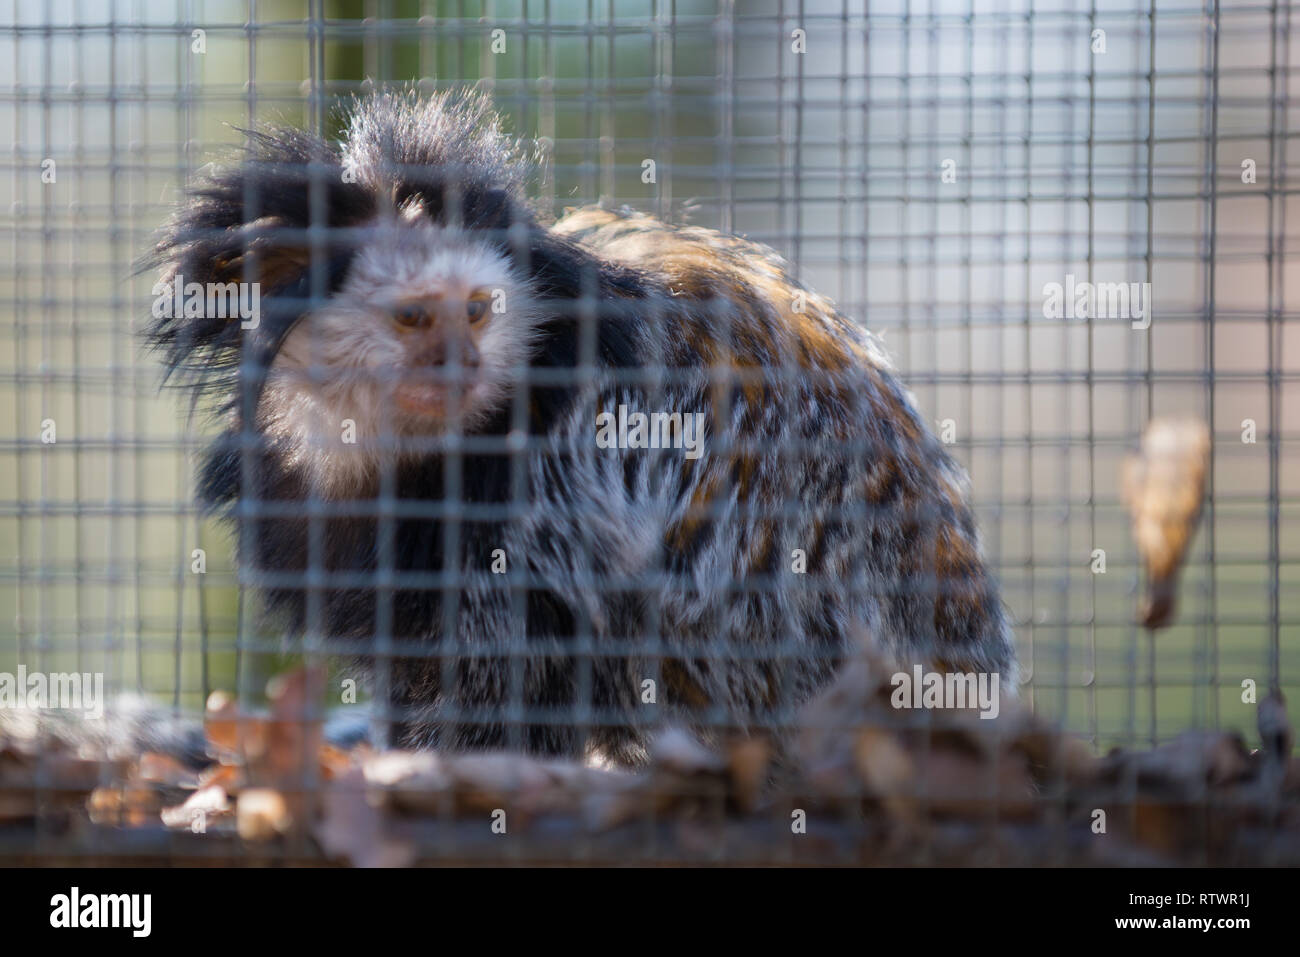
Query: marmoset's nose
[[442, 350]]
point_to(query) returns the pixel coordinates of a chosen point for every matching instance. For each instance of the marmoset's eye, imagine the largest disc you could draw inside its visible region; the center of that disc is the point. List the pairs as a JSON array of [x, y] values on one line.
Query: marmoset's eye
[[477, 306], [412, 315]]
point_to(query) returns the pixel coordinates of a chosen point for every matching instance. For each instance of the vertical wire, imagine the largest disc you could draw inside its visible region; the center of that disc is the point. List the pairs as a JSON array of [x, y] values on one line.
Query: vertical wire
[[1089, 676], [181, 562], [1211, 518], [1059, 615], [137, 536], [45, 612], [22, 426], [185, 123], [966, 320], [1275, 259], [1031, 580], [77, 206], [904, 193], [998, 188], [1144, 411], [796, 171], [844, 209]]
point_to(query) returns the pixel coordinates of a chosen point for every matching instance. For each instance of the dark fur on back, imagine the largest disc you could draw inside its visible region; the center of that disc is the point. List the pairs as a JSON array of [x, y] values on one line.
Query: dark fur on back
[[625, 565]]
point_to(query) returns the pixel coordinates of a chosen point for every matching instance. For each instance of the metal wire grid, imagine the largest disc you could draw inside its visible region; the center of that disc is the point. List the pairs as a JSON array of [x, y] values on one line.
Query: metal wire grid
[[1125, 162]]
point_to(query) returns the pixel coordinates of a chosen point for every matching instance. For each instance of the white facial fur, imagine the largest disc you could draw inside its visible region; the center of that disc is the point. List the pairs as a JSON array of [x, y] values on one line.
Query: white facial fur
[[343, 361]]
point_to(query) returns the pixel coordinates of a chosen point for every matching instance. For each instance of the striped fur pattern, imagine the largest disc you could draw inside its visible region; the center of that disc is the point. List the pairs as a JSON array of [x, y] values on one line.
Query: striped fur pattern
[[642, 586]]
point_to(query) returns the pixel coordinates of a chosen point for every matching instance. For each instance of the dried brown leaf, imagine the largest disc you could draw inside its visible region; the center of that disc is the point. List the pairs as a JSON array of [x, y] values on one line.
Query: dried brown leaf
[[1164, 488]]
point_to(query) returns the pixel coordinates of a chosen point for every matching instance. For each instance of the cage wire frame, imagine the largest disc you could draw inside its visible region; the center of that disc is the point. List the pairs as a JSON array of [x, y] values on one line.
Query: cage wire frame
[[1126, 163]]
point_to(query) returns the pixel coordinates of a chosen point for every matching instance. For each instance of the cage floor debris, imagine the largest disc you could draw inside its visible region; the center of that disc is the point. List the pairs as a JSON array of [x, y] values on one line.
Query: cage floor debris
[[868, 786]]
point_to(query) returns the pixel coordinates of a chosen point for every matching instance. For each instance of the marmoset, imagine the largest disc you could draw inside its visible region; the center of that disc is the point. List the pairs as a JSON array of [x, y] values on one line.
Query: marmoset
[[555, 483]]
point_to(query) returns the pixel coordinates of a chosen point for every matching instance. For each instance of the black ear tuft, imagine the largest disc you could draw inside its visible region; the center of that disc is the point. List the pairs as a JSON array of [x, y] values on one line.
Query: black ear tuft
[[274, 220]]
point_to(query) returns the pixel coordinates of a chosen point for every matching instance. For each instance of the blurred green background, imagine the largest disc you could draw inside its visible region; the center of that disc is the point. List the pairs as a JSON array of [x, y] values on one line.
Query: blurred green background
[[1068, 161]]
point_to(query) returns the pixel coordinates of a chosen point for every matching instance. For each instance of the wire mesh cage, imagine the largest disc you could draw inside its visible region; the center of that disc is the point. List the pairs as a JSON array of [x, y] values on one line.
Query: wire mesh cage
[[1060, 220]]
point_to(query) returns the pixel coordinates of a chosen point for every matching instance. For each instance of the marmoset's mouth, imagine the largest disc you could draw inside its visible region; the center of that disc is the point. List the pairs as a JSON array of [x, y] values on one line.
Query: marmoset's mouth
[[427, 399], [421, 398]]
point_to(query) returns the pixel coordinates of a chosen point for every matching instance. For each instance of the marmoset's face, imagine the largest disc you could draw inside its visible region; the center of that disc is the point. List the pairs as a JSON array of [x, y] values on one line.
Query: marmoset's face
[[425, 337]]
